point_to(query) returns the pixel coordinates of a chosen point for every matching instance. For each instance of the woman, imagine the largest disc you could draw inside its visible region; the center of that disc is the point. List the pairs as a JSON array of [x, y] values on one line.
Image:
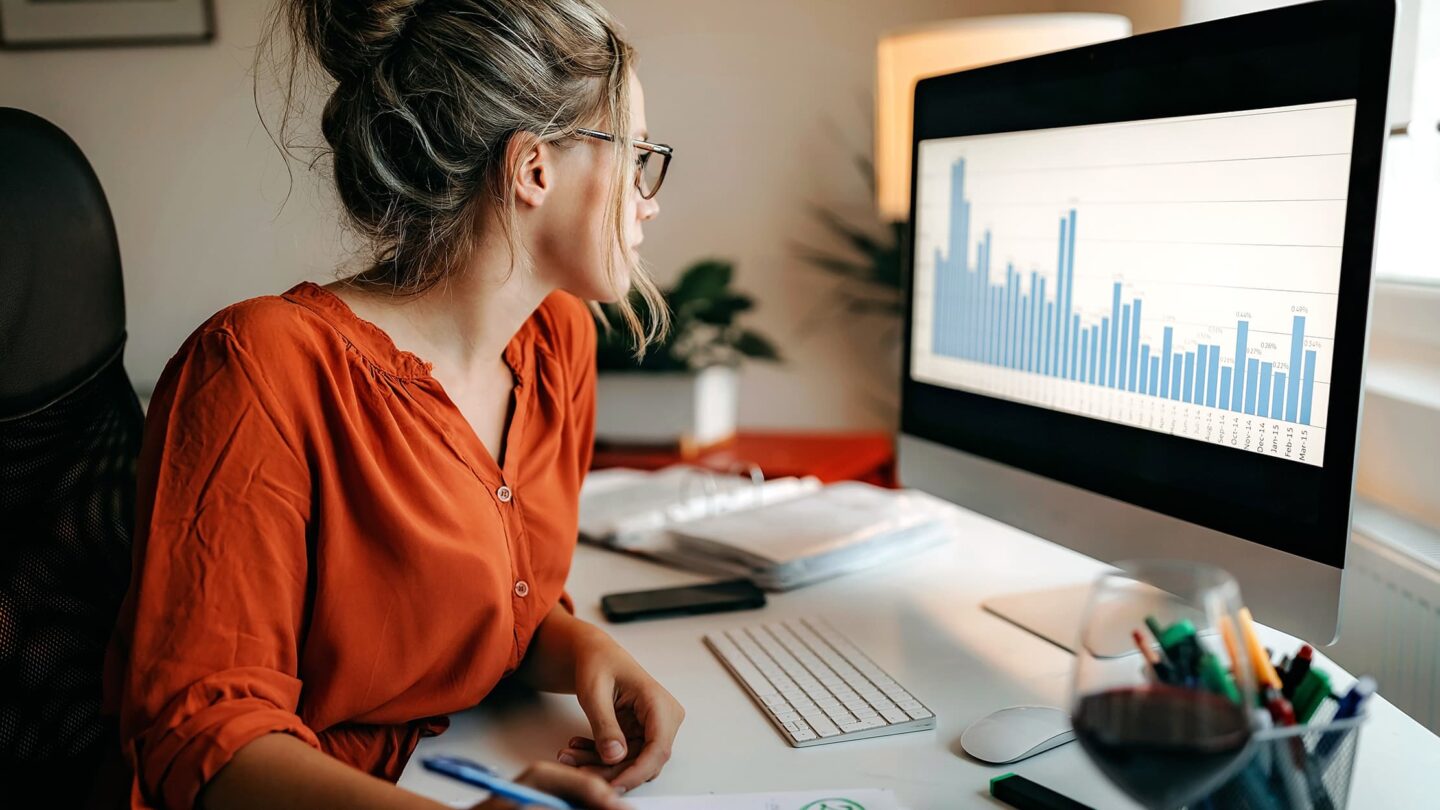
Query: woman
[[339, 543]]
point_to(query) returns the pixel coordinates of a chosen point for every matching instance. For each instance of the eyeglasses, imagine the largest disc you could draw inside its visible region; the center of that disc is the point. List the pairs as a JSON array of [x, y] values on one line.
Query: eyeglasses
[[649, 172]]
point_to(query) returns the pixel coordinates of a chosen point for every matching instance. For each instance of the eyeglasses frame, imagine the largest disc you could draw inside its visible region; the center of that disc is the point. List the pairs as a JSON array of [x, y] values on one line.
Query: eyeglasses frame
[[665, 152]]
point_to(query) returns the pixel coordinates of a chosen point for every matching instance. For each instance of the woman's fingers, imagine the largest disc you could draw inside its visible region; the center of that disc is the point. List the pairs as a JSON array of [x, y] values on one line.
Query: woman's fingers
[[581, 751], [597, 699], [663, 717]]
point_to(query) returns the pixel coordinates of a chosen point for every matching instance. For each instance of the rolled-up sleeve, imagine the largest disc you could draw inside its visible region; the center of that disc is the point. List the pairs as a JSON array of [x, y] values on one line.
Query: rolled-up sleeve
[[207, 648]]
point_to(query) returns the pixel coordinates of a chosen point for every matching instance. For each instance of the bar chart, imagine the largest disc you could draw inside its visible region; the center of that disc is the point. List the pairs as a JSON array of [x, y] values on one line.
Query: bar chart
[[1177, 275]]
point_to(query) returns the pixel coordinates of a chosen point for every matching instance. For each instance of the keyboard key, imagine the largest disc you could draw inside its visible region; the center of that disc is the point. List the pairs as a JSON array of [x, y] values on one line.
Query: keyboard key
[[894, 715], [920, 713]]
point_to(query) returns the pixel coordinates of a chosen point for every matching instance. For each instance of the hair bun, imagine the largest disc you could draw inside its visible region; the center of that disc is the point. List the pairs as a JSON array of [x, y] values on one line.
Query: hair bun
[[349, 37]]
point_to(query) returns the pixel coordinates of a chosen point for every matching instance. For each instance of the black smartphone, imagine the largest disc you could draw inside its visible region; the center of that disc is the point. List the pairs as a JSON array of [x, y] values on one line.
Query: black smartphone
[[713, 597]]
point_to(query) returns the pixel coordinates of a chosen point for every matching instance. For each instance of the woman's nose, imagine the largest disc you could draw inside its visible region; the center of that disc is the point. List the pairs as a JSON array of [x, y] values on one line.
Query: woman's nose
[[649, 209]]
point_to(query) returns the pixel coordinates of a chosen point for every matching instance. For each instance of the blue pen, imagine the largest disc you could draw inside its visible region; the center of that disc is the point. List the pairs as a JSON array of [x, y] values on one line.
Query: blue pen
[[473, 773], [1349, 707], [1350, 704]]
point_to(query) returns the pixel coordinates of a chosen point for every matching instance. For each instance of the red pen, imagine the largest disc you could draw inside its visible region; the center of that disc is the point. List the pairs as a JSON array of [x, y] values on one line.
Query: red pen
[[1295, 674]]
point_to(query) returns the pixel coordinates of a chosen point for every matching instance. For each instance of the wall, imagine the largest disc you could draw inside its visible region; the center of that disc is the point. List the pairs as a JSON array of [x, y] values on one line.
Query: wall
[[766, 102], [194, 183]]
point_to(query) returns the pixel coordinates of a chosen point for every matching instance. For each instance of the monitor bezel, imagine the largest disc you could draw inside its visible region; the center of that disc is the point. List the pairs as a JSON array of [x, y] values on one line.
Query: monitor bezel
[[1332, 50]]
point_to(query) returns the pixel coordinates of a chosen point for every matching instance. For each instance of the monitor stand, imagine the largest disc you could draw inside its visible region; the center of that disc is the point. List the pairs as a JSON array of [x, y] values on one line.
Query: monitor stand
[[1052, 614]]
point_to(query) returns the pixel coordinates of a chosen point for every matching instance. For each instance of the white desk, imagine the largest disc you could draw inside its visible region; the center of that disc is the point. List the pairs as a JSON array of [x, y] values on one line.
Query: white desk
[[921, 620]]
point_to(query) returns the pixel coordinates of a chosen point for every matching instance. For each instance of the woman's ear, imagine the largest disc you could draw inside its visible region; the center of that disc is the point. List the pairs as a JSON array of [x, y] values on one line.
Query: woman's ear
[[534, 170]]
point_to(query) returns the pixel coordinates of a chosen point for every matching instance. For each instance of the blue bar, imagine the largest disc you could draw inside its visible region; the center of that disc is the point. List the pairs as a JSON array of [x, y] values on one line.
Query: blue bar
[[938, 314], [1094, 354], [1277, 405], [1106, 357], [1084, 353], [1297, 343], [1202, 357], [992, 323], [1076, 336], [1012, 332], [1022, 324], [1252, 369], [1213, 375], [1062, 337], [1177, 364], [982, 253], [1144, 373], [1111, 351], [1007, 316], [1154, 375], [1070, 276], [1187, 394], [977, 332], [1165, 361], [1003, 322], [1237, 392], [1135, 367], [987, 334], [1225, 384], [1050, 332], [1308, 387], [1262, 399], [1123, 375], [1037, 308]]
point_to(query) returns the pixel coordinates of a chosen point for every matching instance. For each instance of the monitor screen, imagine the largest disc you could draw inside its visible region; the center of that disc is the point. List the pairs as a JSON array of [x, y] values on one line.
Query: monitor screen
[[1143, 267], [1178, 275]]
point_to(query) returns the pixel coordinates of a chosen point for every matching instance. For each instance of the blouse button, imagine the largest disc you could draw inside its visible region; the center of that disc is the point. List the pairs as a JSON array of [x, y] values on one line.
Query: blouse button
[[504, 494], [522, 589]]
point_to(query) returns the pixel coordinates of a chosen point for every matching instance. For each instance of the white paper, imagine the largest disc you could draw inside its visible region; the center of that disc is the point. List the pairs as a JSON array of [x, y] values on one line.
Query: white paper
[[857, 799]]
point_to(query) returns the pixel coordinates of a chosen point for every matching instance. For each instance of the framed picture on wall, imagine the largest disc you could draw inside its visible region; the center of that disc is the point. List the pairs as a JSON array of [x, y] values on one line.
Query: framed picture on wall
[[89, 23]]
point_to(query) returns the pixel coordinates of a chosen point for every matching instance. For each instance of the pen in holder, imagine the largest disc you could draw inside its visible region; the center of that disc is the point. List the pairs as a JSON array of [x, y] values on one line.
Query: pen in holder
[[1302, 767]]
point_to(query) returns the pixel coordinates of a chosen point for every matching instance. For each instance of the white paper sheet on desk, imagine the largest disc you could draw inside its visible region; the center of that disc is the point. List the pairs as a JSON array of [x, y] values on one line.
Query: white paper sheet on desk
[[858, 799]]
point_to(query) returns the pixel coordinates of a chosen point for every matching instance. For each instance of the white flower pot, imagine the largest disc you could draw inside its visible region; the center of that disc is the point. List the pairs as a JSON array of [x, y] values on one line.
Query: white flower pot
[[685, 409]]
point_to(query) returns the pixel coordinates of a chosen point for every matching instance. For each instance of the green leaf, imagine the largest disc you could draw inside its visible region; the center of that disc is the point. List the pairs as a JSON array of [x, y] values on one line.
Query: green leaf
[[858, 239], [840, 267], [753, 344], [702, 281], [722, 311]]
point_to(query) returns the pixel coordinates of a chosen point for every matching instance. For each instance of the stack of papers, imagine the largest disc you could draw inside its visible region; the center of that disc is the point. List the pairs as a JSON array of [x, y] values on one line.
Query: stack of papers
[[621, 508], [838, 529], [780, 534]]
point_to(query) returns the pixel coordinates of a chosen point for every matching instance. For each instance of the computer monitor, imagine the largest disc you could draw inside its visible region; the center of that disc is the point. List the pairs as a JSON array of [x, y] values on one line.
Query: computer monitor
[[1138, 291]]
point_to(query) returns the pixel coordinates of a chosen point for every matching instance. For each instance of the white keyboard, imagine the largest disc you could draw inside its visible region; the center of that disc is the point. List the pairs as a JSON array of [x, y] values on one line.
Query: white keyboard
[[815, 685]]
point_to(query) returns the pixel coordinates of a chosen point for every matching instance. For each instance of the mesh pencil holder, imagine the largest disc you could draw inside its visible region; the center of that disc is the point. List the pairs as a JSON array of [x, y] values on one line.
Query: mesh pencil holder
[[1303, 767]]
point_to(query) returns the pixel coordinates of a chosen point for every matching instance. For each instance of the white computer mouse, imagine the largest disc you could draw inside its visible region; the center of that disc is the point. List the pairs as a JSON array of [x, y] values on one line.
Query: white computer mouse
[[1015, 733]]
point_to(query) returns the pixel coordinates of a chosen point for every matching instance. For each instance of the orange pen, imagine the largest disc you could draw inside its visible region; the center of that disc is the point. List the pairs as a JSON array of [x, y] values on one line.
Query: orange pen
[[1264, 670]]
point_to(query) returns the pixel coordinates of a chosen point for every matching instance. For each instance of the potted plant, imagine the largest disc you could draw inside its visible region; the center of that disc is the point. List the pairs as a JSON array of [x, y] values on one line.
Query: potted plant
[[684, 391]]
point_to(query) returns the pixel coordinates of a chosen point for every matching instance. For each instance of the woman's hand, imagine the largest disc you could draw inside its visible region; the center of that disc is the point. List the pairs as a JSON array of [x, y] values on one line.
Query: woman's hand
[[575, 787], [633, 718]]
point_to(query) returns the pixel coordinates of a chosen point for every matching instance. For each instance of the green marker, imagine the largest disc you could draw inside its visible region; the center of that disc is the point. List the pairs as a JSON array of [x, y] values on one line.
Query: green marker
[[1216, 679], [1312, 691]]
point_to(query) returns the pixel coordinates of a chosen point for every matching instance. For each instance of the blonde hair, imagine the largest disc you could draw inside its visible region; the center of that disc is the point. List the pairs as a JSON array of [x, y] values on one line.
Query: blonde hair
[[428, 95]]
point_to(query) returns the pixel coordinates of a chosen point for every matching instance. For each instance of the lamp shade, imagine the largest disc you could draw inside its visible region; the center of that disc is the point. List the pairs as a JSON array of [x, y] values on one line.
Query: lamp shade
[[904, 57]]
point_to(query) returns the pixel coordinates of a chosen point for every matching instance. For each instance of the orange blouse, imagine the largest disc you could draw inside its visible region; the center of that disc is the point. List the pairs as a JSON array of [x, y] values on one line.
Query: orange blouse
[[325, 548]]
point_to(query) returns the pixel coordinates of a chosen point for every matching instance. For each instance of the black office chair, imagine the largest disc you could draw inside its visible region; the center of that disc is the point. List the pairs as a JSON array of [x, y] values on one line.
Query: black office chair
[[69, 435]]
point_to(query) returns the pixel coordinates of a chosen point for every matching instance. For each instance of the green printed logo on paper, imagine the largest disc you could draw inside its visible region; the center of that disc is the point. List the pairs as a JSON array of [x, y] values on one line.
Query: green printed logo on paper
[[834, 804]]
